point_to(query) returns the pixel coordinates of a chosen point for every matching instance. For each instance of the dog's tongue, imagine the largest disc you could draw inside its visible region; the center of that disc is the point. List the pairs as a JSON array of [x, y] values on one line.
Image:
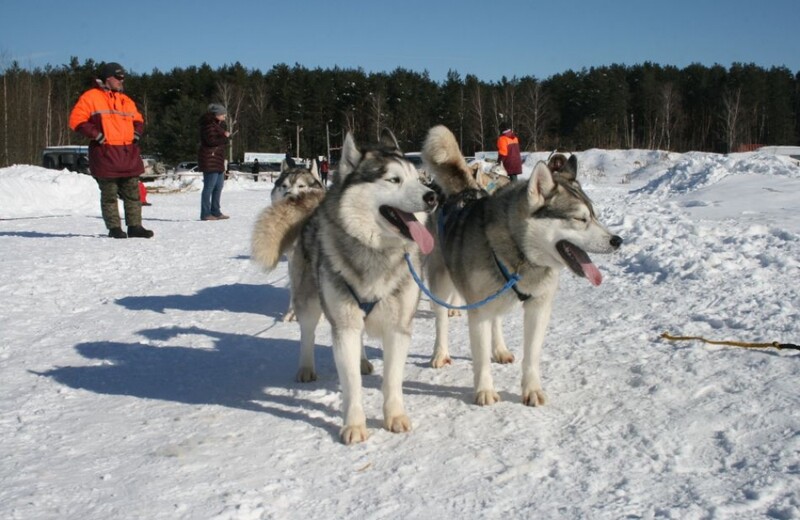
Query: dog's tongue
[[418, 232], [592, 272], [580, 260]]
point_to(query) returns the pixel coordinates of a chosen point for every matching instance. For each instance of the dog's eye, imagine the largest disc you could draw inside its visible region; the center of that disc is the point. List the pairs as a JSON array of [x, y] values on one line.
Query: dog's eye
[[394, 180], [582, 220]]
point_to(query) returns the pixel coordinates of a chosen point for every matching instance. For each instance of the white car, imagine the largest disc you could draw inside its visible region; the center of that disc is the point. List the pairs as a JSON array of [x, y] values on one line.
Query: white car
[[186, 166]]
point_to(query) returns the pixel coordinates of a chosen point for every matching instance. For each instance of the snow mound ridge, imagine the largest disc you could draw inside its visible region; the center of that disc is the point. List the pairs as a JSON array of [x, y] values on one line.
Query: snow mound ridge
[[695, 170]]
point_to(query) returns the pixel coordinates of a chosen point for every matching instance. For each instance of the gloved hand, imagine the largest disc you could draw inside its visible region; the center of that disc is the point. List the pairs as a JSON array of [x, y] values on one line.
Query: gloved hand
[[100, 138]]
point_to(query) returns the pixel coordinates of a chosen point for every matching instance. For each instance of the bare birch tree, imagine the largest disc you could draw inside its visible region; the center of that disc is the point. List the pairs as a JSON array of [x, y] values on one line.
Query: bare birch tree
[[232, 98], [731, 106]]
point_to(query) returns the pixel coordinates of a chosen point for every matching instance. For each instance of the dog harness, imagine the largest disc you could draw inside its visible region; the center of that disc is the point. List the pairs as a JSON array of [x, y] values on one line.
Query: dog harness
[[508, 276], [364, 306], [453, 213]]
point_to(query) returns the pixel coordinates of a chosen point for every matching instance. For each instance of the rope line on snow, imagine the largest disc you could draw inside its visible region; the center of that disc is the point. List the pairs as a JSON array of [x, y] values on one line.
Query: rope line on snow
[[743, 344]]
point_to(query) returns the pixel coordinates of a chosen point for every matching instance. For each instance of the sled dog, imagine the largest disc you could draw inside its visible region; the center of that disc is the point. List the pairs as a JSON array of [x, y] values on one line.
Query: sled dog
[[530, 230], [349, 262], [290, 184], [489, 181]]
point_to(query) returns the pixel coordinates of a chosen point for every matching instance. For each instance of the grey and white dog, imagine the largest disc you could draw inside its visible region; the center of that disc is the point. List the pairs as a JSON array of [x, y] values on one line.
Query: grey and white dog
[[349, 262], [530, 230], [289, 185]]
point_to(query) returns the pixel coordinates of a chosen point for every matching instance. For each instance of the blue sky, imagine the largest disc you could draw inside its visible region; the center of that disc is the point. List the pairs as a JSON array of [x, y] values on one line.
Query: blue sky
[[489, 39]]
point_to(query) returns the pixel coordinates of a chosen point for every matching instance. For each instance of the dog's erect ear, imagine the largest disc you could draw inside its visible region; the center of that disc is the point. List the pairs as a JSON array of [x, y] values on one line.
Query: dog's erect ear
[[350, 157], [570, 170], [540, 184], [388, 139]]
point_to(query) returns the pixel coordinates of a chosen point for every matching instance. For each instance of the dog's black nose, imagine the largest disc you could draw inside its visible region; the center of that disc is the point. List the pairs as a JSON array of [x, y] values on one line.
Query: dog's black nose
[[430, 198], [616, 241]]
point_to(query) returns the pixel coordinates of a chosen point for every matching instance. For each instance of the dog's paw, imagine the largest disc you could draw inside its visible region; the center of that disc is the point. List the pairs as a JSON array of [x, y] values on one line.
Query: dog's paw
[[397, 424], [353, 433], [486, 397], [504, 357], [366, 367], [440, 361], [289, 316], [534, 398], [305, 375]]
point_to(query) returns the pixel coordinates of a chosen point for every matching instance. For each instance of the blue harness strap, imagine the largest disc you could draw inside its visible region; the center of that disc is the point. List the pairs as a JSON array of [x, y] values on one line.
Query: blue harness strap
[[508, 276], [510, 283]]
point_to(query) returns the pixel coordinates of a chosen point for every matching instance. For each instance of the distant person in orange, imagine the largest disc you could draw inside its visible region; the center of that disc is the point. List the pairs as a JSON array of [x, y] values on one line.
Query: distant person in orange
[[508, 151], [113, 124]]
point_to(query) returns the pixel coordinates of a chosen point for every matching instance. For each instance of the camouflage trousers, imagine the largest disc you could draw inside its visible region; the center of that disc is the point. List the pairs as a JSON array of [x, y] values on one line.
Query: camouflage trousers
[[127, 189]]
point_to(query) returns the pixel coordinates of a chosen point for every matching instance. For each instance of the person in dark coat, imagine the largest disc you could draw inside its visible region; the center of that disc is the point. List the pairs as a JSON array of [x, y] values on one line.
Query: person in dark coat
[[211, 161], [256, 169]]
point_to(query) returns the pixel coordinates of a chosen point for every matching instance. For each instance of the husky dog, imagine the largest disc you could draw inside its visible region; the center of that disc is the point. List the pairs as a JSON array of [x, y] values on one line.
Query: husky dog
[[490, 181], [349, 262], [289, 185], [526, 230]]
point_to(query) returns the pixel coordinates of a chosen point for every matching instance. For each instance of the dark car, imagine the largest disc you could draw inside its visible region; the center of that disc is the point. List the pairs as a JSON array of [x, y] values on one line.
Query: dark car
[[72, 158]]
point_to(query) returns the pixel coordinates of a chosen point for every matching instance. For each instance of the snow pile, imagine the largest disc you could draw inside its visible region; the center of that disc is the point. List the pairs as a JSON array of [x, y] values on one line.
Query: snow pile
[[27, 191], [696, 170]]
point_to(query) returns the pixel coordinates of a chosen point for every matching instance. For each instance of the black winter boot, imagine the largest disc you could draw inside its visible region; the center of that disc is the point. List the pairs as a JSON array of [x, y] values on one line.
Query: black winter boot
[[139, 232], [117, 233]]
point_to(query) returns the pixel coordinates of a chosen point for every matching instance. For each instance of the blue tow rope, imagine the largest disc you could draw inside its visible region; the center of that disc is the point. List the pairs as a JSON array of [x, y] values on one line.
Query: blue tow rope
[[512, 281]]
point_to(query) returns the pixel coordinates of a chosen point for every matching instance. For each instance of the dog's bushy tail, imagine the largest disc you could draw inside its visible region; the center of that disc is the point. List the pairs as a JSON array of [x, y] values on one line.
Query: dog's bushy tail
[[278, 226], [445, 162]]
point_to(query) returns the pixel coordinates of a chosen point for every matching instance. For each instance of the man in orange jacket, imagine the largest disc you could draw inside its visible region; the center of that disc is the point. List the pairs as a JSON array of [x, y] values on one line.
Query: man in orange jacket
[[508, 151], [113, 124]]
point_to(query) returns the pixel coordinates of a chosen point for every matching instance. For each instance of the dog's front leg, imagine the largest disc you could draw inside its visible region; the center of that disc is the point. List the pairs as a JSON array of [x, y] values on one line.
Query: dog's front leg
[[480, 329], [537, 318], [395, 351], [347, 354]]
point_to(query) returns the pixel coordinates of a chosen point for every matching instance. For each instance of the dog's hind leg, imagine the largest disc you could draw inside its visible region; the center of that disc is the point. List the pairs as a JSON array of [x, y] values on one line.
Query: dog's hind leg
[[442, 286], [395, 351], [366, 366], [309, 311], [500, 353], [441, 353], [308, 320], [480, 328], [289, 314]]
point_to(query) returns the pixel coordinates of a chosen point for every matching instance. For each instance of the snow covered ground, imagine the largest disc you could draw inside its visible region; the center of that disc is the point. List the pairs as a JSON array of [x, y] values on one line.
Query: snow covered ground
[[154, 378]]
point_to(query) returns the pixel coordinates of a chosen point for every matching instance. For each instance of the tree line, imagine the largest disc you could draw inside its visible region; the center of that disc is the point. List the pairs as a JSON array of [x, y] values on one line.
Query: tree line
[[307, 111]]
